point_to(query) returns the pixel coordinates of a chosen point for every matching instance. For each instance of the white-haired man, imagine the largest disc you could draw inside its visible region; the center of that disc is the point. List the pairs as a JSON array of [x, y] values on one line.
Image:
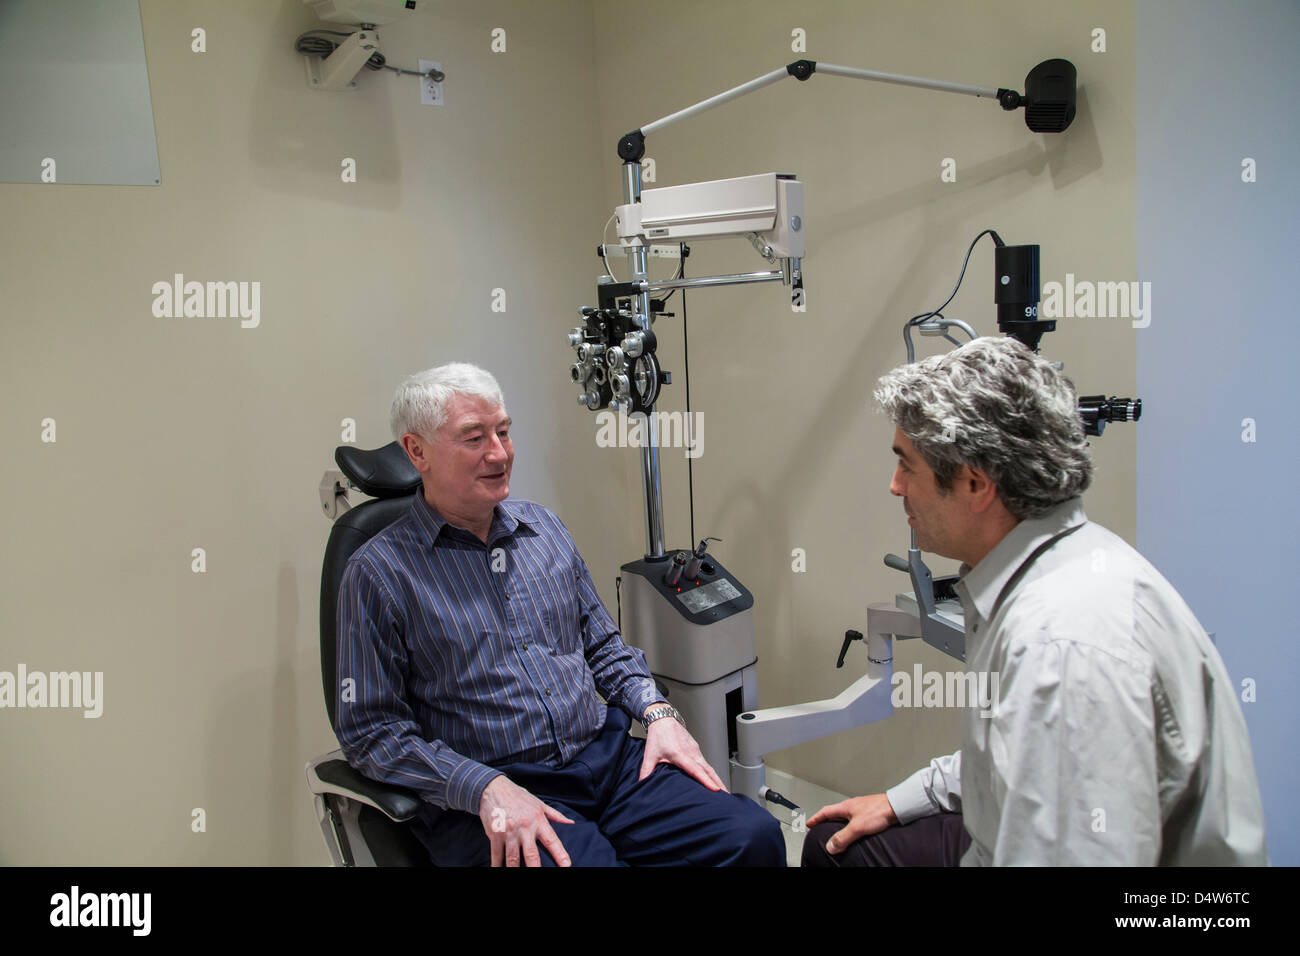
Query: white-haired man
[[1115, 737], [472, 645]]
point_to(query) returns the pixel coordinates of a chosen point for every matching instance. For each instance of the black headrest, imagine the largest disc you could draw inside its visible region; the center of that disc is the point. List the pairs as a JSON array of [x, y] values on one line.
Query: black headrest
[[382, 473]]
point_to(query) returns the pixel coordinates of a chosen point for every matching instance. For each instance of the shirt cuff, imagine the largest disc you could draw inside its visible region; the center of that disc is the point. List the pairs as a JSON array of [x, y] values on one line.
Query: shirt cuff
[[466, 784], [638, 702], [909, 799]]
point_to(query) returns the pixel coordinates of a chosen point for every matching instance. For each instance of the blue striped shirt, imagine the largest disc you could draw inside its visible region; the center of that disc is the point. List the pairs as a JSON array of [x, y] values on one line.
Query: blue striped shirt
[[454, 655]]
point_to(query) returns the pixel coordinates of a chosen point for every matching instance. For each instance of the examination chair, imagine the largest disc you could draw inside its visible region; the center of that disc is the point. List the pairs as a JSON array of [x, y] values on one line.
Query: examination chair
[[364, 823]]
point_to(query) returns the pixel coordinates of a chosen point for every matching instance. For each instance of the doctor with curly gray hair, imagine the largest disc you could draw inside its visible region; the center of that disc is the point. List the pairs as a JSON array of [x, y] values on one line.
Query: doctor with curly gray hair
[[1115, 737]]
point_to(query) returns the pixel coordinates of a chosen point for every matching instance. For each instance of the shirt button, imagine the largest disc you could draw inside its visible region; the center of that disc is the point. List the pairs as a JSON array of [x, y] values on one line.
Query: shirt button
[[525, 645], [548, 692]]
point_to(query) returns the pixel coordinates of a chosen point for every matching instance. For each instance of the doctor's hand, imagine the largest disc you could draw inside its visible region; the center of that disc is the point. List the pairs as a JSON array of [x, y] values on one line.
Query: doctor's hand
[[515, 821], [866, 815], [667, 741]]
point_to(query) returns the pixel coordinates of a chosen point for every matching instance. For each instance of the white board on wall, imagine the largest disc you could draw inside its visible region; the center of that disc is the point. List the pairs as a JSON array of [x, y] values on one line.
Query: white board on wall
[[74, 94]]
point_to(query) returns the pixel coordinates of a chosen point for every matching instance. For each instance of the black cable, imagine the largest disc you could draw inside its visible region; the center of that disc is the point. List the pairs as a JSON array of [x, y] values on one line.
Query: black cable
[[680, 269], [686, 360], [618, 597], [938, 313], [312, 43]]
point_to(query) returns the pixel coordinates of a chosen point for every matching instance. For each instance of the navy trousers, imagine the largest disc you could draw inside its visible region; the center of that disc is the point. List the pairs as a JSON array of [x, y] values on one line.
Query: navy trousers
[[665, 820]]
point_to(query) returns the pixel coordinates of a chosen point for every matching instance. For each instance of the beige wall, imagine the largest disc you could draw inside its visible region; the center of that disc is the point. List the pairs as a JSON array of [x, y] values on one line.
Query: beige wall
[[175, 434], [182, 433]]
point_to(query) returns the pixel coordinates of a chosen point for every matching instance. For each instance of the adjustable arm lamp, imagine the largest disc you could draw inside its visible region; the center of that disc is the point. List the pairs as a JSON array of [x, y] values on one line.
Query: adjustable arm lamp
[[1049, 97]]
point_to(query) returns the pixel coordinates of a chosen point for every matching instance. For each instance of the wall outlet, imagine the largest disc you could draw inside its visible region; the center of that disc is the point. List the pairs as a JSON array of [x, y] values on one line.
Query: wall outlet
[[430, 90]]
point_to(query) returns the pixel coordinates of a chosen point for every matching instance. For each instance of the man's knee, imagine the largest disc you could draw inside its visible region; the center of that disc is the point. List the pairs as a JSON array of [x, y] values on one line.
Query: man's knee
[[758, 835], [937, 840], [814, 852], [707, 828]]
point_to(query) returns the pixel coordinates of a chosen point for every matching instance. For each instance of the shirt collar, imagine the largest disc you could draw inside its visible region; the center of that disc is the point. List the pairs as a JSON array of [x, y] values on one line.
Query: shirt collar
[[506, 519], [984, 583]]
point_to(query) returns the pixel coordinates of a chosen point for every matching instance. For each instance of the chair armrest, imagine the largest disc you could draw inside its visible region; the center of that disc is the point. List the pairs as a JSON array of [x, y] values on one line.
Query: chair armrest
[[331, 773]]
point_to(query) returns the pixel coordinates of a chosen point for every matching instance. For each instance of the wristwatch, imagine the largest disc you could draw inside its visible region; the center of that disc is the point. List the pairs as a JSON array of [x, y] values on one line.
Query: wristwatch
[[658, 711]]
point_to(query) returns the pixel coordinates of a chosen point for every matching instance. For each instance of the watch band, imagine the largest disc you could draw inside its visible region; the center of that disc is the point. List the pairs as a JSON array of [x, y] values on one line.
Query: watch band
[[659, 711]]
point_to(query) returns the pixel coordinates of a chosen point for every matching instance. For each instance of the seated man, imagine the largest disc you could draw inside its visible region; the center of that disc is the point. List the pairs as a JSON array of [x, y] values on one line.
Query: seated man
[[471, 646], [1114, 736]]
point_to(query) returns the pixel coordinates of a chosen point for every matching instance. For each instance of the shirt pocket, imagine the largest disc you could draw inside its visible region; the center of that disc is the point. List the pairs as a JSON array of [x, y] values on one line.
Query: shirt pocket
[[558, 610]]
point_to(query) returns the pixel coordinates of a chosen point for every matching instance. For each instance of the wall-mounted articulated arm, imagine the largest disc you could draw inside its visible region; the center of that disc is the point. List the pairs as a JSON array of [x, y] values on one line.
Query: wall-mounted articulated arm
[[1049, 97]]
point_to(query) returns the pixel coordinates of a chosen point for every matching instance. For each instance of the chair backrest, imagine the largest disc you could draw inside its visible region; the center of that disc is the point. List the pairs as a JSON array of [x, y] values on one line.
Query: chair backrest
[[388, 476]]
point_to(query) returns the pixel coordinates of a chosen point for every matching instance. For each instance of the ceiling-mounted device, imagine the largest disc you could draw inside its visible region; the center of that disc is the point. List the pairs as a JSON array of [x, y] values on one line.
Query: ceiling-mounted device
[[335, 57], [360, 13]]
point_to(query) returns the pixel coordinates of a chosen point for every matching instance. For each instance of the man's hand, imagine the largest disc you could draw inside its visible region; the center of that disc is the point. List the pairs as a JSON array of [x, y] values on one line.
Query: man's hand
[[667, 741], [515, 821], [866, 815]]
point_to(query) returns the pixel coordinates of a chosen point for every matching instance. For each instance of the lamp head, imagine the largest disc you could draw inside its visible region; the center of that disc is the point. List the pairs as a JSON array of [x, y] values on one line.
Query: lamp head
[[1049, 97], [1050, 92]]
